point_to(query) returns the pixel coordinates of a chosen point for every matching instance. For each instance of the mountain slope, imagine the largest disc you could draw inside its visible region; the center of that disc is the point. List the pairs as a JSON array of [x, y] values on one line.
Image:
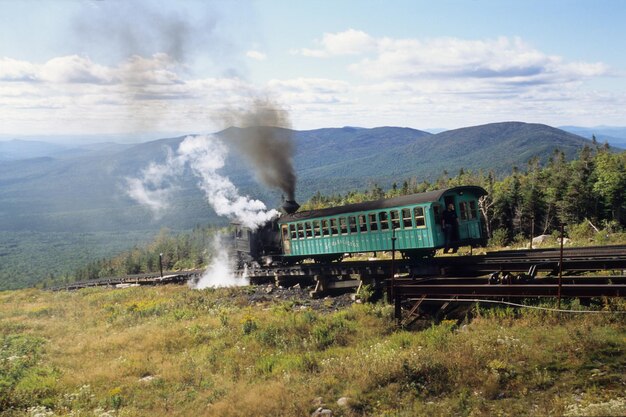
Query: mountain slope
[[46, 201], [497, 146], [613, 135], [86, 191]]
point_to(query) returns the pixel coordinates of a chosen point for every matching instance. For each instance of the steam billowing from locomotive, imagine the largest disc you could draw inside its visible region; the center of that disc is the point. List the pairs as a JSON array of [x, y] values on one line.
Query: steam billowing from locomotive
[[268, 148], [265, 140], [205, 155]]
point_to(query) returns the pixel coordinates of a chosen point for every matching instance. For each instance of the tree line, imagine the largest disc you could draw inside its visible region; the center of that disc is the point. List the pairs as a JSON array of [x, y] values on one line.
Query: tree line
[[172, 251], [588, 194]]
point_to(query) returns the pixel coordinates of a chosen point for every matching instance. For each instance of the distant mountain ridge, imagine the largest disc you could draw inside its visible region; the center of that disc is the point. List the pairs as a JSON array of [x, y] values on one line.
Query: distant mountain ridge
[[613, 135], [84, 190], [64, 206]]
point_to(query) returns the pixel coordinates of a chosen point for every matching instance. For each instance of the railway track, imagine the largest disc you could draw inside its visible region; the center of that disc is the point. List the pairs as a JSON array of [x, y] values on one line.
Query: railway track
[[171, 277], [514, 276], [511, 274], [505, 263]]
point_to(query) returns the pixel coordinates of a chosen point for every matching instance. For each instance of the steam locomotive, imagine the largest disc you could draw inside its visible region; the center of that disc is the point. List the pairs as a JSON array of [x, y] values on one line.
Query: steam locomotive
[[410, 224]]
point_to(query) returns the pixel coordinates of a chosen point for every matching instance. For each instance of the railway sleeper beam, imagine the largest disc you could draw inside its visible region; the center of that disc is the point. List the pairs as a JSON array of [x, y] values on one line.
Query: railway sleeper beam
[[520, 291], [326, 283], [292, 280]]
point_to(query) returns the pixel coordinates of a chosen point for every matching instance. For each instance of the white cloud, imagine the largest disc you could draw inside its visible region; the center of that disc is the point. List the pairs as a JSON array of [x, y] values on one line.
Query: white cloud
[[349, 42], [74, 69], [310, 90], [452, 58], [444, 82], [256, 55], [501, 59], [14, 70]]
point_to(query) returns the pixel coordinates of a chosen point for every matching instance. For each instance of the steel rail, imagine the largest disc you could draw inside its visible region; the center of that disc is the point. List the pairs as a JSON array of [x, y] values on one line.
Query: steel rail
[[519, 291]]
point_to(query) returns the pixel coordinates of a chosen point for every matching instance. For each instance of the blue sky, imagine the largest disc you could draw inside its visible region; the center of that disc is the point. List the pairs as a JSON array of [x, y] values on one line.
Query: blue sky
[[116, 67]]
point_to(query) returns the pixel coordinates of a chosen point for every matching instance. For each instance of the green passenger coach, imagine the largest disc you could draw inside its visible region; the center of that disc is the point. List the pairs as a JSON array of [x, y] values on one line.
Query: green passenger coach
[[414, 220]]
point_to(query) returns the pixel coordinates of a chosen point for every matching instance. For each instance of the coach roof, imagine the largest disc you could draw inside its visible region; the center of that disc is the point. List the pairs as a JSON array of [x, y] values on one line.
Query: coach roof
[[405, 200]]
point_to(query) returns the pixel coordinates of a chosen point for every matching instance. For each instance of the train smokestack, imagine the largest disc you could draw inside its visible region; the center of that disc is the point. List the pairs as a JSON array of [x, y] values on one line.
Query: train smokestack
[[290, 206]]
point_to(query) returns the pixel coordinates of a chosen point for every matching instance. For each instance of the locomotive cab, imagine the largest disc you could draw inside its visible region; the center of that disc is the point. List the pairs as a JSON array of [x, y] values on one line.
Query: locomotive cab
[[256, 246]]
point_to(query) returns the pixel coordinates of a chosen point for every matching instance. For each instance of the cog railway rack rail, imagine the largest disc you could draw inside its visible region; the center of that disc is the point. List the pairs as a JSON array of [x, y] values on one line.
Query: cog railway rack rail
[[409, 282]]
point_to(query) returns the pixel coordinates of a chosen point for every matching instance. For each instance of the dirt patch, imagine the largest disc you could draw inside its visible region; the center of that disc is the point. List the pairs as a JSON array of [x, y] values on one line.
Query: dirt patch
[[298, 298]]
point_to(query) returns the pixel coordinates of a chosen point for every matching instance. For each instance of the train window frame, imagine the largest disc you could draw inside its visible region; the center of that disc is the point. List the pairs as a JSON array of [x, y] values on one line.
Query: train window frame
[[362, 223], [352, 227], [383, 219], [372, 219], [308, 231], [300, 227], [473, 210], [325, 227], [407, 218], [292, 231], [316, 228], [343, 225], [334, 227], [437, 213], [285, 232], [463, 211], [420, 219], [394, 216]]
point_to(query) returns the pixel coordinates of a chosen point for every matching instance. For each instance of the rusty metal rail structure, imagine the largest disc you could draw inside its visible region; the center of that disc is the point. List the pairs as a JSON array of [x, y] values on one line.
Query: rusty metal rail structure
[[494, 267], [510, 274], [171, 277], [514, 276]]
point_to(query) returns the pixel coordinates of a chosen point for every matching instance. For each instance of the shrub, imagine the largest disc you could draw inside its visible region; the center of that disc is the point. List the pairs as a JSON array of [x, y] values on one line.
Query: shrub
[[581, 231], [500, 237], [248, 324]]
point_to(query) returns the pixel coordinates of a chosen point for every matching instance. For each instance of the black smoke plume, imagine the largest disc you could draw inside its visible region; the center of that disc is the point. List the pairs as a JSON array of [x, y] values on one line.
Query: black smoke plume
[[266, 141]]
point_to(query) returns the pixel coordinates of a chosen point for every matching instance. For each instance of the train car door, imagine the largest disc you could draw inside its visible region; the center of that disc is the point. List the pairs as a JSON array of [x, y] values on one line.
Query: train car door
[[449, 199], [286, 241]]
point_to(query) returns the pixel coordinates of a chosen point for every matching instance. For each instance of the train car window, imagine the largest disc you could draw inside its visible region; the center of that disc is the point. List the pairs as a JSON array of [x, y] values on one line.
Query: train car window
[[292, 231], [300, 231], [395, 219], [285, 233], [333, 227], [383, 217], [325, 230], [463, 209], [373, 222], [420, 221], [343, 225], [316, 228], [352, 224], [362, 223], [406, 218], [307, 229], [473, 213], [437, 211]]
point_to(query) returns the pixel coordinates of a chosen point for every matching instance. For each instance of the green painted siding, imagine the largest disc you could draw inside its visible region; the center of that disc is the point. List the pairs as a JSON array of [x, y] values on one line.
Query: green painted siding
[[351, 238], [418, 226]]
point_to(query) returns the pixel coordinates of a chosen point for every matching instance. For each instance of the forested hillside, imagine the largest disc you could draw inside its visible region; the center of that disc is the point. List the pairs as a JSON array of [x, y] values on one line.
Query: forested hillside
[[86, 190], [83, 192], [588, 195]]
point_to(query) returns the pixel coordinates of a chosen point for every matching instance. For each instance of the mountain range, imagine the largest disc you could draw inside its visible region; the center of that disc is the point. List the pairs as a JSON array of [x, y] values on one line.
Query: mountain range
[[83, 189], [62, 205], [613, 135]]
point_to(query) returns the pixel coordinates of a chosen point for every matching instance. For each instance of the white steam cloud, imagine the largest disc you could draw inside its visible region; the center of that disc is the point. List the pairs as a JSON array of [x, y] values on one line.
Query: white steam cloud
[[220, 271], [205, 155]]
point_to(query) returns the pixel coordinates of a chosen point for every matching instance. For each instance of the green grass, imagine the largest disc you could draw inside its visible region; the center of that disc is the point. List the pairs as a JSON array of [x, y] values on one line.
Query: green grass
[[175, 351]]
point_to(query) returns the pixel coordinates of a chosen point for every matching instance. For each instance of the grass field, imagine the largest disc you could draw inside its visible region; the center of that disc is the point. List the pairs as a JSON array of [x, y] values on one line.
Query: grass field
[[175, 351]]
